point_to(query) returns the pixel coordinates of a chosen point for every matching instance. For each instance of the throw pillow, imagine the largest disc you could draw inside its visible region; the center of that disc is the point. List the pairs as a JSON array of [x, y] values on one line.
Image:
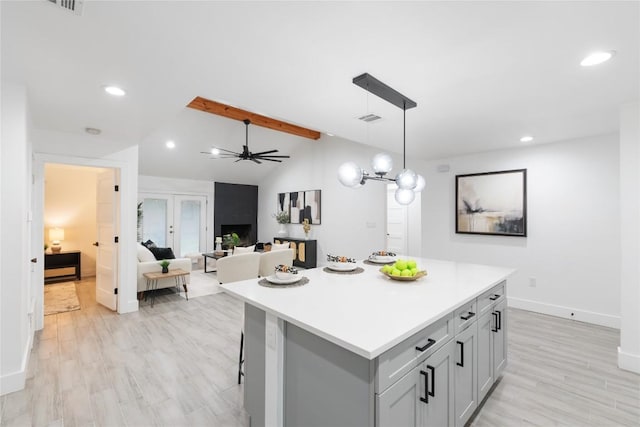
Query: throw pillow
[[279, 246], [144, 254], [245, 250], [149, 244], [162, 253]]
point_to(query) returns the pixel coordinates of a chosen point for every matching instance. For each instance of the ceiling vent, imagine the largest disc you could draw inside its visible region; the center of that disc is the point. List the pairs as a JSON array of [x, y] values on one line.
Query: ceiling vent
[[74, 6], [370, 118]]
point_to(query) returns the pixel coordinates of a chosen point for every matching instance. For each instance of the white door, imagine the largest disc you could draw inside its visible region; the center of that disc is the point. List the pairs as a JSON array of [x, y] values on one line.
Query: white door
[[175, 221], [107, 225], [397, 217]]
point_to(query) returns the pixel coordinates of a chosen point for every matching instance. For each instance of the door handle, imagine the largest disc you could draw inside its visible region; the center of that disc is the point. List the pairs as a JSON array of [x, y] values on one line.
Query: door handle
[[425, 399], [469, 315], [34, 260], [433, 380], [96, 244], [495, 318], [429, 343], [499, 324], [461, 362]]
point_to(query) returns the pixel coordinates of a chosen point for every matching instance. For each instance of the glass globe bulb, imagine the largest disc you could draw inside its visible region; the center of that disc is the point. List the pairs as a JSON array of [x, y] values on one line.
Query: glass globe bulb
[[381, 163], [407, 179], [349, 174], [404, 196], [420, 184]]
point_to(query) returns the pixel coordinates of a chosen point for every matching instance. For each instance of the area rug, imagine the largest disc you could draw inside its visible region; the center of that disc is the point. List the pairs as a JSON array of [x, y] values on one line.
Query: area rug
[[202, 284], [60, 298]]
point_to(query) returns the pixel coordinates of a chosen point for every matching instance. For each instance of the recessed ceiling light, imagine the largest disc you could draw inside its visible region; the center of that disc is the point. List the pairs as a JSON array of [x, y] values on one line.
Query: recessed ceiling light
[[215, 151], [596, 58], [114, 90], [526, 139], [92, 131], [170, 144]]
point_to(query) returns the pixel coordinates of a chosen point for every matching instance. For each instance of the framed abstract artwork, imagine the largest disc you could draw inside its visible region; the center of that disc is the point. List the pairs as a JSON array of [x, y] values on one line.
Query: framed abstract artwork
[[301, 205], [492, 203]]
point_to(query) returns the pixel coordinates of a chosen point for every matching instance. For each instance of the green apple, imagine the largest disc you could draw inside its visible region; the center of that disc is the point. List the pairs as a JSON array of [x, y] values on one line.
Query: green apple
[[387, 268], [401, 264], [414, 271], [395, 272], [411, 263], [406, 273]]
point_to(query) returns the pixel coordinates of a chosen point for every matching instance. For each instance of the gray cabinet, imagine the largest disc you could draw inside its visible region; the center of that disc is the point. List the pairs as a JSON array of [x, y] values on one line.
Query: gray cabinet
[[400, 405], [492, 339], [466, 370], [437, 370]]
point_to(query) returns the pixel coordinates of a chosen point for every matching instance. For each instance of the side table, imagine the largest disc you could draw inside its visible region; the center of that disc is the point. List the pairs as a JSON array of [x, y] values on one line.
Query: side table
[[213, 255], [152, 281]]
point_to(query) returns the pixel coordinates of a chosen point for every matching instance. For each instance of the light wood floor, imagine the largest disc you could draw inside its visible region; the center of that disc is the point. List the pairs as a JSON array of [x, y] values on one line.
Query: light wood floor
[[175, 364]]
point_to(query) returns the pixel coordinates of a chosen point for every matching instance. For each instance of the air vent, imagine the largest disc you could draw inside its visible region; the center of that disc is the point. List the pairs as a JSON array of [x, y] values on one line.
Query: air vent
[[370, 118], [74, 6]]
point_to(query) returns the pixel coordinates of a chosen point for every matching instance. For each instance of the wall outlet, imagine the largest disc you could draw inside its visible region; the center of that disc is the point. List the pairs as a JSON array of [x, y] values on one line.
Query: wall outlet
[[532, 282]]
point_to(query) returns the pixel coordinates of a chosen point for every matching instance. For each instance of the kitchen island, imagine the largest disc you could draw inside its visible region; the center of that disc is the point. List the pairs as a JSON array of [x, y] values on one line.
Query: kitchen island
[[364, 350]]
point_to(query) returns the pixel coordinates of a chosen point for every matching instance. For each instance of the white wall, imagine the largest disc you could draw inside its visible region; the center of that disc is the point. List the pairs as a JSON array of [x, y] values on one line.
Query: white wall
[[16, 328], [353, 221], [156, 184], [573, 245], [70, 203], [629, 350]]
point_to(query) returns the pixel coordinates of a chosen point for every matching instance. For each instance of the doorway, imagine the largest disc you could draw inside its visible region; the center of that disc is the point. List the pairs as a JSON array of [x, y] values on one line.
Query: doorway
[[404, 225], [177, 221]]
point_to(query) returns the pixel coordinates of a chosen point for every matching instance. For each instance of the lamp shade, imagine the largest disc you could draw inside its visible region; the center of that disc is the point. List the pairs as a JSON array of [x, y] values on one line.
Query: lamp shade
[[407, 179], [382, 163], [350, 174], [420, 184], [56, 234], [404, 196]]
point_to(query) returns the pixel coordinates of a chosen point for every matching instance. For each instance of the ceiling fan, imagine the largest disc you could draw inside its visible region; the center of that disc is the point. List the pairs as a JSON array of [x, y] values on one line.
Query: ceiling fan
[[221, 153]]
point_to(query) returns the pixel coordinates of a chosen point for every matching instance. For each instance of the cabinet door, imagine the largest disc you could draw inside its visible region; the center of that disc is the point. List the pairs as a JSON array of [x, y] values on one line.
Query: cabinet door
[[500, 339], [466, 367], [485, 354], [400, 404], [439, 411]]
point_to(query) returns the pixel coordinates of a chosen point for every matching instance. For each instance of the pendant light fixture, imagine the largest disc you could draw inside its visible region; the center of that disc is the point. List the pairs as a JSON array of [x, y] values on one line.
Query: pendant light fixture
[[408, 182]]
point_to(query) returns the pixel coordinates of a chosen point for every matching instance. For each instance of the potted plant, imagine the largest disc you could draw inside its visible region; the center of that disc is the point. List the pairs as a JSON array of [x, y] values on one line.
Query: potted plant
[[282, 218], [165, 265], [230, 241]]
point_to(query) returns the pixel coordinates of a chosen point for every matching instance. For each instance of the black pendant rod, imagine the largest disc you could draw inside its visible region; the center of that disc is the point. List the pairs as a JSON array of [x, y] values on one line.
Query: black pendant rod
[[404, 135]]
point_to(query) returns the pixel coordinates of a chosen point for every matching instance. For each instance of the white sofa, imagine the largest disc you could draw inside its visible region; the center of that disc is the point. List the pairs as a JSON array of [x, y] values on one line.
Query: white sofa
[[147, 263], [233, 268]]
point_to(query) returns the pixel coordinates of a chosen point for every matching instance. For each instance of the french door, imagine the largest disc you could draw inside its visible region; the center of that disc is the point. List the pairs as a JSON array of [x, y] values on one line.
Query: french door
[[174, 220]]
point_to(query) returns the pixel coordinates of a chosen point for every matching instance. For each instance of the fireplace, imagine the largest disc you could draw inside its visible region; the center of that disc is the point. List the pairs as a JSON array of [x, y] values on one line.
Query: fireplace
[[242, 230]]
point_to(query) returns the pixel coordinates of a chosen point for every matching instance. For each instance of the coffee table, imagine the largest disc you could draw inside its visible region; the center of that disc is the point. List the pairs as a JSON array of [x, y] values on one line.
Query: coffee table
[[152, 281], [213, 255]]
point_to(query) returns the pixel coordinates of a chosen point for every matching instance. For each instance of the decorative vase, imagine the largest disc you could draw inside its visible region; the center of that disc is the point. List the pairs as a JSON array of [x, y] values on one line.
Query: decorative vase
[[282, 231], [165, 270]]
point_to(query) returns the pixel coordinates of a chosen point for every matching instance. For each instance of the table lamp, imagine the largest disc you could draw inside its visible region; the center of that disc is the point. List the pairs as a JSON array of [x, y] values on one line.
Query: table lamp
[[56, 235]]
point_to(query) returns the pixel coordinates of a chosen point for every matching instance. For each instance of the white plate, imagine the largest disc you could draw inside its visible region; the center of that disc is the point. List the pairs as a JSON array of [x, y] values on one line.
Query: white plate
[[342, 266], [382, 259], [293, 279]]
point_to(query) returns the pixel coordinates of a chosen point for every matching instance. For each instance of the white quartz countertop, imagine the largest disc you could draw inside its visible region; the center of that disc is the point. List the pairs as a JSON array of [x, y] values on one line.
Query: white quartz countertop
[[368, 313]]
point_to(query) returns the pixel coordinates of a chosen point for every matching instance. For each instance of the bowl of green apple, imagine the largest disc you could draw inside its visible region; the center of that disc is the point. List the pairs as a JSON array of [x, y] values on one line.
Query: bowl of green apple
[[403, 270]]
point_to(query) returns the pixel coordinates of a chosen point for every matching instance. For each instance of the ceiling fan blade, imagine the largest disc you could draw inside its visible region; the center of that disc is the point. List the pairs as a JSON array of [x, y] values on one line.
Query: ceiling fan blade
[[278, 157], [238, 160], [256, 160], [265, 152], [270, 160]]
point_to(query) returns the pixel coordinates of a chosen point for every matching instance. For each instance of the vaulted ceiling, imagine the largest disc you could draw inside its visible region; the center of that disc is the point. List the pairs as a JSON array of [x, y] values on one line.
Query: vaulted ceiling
[[483, 73]]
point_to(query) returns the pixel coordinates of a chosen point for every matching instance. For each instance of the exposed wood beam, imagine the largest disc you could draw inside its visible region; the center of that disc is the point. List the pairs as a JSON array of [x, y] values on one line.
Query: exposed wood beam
[[230, 112]]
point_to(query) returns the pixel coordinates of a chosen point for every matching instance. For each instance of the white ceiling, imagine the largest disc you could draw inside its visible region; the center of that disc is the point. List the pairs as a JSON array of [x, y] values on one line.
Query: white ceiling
[[483, 73]]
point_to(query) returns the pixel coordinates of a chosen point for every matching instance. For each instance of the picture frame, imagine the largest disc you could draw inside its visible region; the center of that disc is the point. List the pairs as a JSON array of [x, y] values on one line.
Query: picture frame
[[301, 205], [492, 203]]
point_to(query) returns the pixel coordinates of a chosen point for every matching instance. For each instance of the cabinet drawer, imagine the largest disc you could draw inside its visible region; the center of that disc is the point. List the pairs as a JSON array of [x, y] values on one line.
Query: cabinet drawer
[[464, 316], [491, 297], [394, 363]]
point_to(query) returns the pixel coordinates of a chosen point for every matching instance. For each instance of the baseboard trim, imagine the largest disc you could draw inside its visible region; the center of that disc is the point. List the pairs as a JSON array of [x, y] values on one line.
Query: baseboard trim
[[15, 381], [628, 361], [566, 312], [128, 307]]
